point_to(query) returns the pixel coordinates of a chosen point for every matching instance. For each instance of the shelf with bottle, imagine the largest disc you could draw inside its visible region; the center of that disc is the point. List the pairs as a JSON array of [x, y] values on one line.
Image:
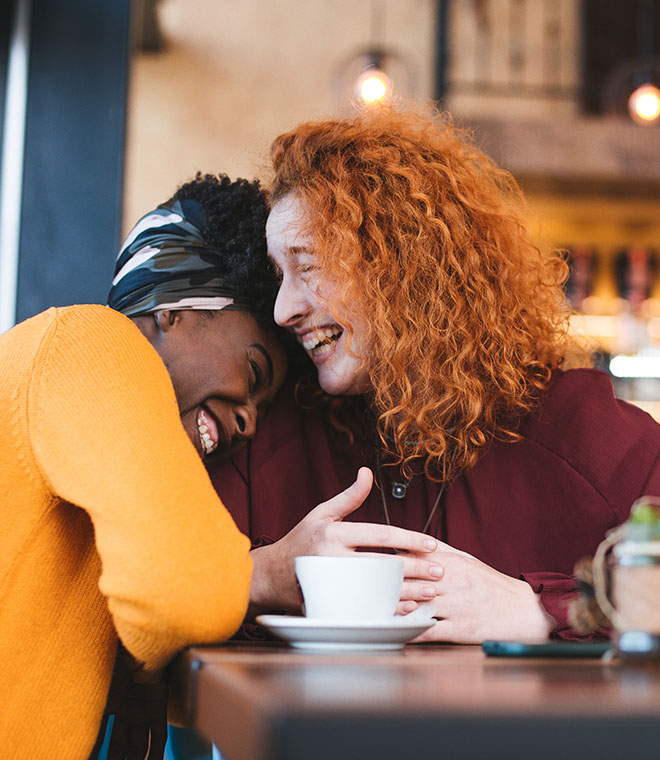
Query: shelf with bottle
[[616, 296]]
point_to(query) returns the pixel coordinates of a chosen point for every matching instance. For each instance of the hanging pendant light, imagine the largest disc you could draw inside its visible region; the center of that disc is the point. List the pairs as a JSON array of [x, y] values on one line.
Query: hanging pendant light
[[644, 105], [633, 88], [373, 85], [374, 74], [644, 101]]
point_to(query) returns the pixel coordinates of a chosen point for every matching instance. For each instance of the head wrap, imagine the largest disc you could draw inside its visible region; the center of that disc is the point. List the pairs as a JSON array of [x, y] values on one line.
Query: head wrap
[[164, 263]]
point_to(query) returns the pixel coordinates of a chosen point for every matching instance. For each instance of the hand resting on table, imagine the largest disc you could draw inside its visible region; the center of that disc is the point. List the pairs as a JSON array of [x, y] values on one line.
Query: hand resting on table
[[475, 602]]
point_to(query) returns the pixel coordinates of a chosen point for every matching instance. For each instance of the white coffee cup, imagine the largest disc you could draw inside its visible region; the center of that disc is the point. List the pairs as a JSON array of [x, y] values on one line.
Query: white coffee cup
[[350, 588]]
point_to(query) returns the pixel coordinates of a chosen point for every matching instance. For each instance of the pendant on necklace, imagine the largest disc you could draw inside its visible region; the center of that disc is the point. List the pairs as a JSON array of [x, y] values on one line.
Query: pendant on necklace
[[399, 489]]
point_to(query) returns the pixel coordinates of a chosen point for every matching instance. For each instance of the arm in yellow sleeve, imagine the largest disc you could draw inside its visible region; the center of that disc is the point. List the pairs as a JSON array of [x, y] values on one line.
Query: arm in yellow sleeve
[[106, 433]]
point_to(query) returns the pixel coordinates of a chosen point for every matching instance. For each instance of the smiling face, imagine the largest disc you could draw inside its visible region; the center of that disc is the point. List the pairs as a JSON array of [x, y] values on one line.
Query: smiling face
[[303, 304], [225, 369]]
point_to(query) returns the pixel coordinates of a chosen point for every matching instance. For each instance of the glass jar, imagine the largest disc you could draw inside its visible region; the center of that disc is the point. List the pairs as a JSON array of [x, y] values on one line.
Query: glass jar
[[626, 570]]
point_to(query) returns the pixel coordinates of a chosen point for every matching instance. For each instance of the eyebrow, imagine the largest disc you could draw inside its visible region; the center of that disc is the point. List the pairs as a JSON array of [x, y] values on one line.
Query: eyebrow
[[269, 361], [291, 250]]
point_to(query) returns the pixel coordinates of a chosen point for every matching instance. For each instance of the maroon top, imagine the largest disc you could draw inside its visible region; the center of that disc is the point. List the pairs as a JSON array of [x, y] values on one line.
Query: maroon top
[[529, 509]]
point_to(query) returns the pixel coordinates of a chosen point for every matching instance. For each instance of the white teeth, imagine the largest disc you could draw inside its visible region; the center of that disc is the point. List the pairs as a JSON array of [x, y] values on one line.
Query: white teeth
[[205, 438], [324, 348], [319, 341]]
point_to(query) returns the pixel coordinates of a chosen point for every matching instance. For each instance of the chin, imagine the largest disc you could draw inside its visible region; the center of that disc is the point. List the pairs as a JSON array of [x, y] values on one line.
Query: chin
[[335, 385]]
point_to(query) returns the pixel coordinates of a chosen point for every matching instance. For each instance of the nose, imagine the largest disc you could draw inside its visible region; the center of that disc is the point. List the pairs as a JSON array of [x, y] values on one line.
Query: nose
[[246, 421], [291, 304]]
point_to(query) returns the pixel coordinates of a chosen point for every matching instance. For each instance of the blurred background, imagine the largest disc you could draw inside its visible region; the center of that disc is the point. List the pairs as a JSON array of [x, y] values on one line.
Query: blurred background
[[108, 106]]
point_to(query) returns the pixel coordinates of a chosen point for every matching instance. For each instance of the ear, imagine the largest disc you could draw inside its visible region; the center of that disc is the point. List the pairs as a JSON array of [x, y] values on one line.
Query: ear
[[166, 319]]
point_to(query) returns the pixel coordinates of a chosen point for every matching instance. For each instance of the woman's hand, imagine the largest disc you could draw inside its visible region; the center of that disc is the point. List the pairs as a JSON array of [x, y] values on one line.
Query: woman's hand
[[274, 585], [474, 602]]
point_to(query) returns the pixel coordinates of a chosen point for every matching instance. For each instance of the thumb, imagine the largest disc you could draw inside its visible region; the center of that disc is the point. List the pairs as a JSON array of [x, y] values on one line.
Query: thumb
[[349, 500]]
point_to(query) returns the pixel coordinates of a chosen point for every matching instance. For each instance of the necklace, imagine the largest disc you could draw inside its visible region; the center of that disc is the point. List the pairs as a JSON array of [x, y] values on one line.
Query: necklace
[[401, 488]]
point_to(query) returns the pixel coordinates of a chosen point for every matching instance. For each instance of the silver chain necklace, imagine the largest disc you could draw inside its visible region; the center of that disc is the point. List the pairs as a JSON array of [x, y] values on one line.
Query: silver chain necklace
[[399, 491]]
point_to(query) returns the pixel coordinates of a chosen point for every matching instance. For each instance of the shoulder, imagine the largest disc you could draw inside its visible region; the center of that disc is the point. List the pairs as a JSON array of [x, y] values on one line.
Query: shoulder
[[101, 328], [92, 322], [581, 398], [69, 331], [62, 319], [582, 425], [87, 318], [98, 346]]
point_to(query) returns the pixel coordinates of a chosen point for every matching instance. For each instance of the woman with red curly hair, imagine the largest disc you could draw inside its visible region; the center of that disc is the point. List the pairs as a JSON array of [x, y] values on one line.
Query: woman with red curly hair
[[412, 284]]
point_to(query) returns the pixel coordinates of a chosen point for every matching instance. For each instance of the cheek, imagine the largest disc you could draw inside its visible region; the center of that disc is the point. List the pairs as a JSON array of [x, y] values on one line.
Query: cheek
[[181, 380], [364, 336], [344, 305], [325, 289], [189, 422]]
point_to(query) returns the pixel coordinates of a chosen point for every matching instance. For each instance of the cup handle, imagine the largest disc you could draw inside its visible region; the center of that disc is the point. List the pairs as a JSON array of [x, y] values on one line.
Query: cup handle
[[600, 577]]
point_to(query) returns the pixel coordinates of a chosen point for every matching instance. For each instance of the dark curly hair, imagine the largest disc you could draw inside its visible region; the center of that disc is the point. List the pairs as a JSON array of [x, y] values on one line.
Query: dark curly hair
[[235, 227]]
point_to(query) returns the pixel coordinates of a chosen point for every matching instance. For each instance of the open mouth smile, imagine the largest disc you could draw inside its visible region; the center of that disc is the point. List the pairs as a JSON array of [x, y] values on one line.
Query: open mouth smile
[[321, 341], [208, 431]]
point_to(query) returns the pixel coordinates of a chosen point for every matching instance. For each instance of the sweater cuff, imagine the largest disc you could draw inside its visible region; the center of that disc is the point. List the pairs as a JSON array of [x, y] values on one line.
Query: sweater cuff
[[556, 592]]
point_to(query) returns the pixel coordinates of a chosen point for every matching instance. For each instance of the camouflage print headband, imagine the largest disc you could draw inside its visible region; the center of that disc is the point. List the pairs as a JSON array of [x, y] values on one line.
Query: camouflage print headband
[[165, 264]]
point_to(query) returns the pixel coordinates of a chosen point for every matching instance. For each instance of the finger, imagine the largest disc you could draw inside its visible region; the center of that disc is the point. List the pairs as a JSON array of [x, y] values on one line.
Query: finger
[[442, 557], [348, 500], [418, 592], [374, 535], [403, 608], [421, 569], [444, 548], [446, 630], [434, 633]]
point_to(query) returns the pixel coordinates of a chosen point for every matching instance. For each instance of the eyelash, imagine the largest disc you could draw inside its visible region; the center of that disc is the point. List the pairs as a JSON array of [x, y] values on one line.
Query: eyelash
[[256, 381]]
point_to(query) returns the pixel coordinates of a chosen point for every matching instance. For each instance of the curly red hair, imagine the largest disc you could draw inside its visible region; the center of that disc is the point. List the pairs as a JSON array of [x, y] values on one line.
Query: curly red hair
[[426, 234]]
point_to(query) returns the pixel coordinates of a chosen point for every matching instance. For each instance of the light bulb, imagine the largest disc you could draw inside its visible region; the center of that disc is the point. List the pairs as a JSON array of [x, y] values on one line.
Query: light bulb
[[644, 104], [372, 86]]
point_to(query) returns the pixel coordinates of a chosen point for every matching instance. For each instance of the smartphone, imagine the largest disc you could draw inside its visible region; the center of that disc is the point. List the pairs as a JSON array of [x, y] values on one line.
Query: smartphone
[[546, 648]]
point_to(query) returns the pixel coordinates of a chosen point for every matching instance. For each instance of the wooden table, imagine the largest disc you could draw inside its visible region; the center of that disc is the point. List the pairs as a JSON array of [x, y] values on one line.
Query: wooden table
[[261, 702]]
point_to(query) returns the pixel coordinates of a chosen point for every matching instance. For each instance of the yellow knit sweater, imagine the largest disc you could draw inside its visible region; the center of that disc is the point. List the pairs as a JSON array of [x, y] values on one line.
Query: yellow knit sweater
[[108, 525]]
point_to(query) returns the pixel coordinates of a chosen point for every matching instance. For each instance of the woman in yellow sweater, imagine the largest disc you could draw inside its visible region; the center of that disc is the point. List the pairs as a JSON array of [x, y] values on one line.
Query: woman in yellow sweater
[[111, 530]]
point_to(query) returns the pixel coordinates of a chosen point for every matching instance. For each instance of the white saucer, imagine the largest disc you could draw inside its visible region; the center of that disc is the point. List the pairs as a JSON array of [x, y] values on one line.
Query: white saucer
[[342, 635]]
